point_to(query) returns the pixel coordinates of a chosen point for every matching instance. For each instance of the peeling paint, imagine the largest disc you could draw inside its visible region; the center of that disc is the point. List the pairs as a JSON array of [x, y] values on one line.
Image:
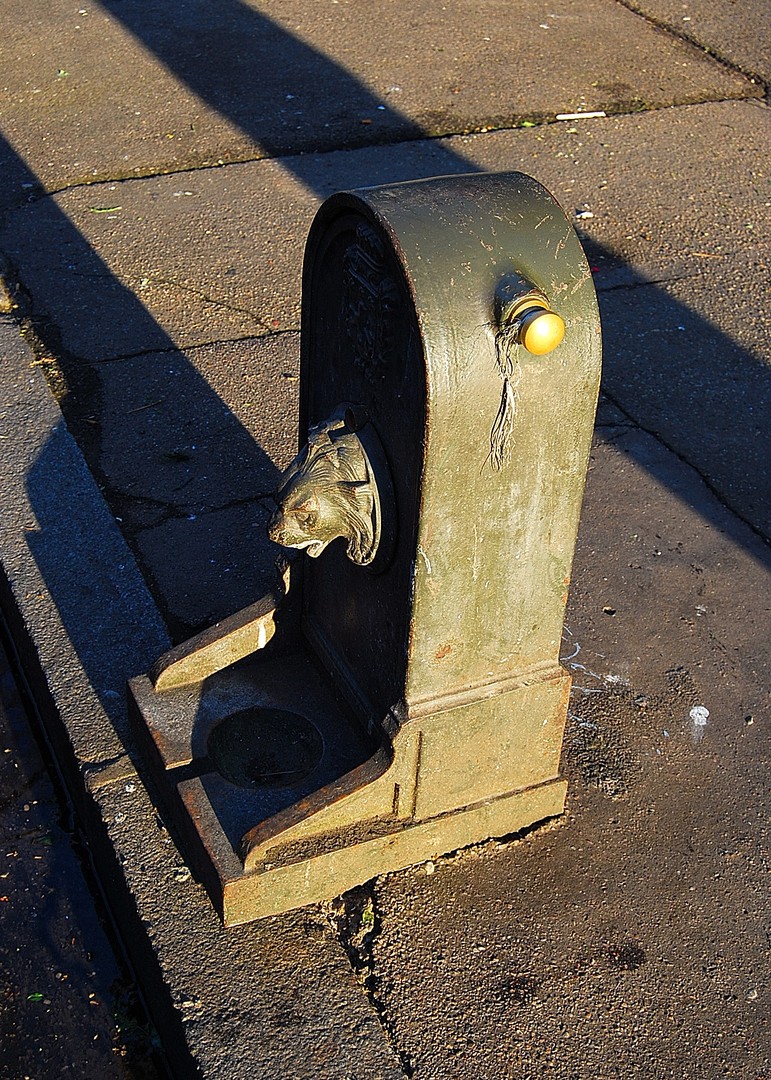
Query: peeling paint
[[426, 559]]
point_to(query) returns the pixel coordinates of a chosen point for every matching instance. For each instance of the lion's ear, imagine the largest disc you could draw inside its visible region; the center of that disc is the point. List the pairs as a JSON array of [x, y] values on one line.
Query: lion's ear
[[361, 493], [342, 452]]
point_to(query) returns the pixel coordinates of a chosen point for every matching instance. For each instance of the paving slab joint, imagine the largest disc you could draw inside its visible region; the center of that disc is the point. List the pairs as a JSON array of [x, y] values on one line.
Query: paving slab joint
[[730, 65], [43, 338]]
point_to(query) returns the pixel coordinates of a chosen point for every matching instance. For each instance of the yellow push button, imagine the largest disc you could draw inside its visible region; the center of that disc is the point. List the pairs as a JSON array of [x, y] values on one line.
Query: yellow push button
[[541, 330]]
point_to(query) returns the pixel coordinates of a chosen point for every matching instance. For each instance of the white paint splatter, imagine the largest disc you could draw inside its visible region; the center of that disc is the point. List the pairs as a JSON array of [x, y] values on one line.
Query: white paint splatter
[[573, 655], [699, 716]]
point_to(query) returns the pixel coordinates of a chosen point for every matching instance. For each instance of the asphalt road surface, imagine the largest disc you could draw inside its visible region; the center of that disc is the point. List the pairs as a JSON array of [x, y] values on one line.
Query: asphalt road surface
[[67, 1007]]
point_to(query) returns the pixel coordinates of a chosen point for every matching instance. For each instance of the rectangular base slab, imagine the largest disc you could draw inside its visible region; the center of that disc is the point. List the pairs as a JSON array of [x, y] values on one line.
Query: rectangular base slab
[[212, 812], [315, 878]]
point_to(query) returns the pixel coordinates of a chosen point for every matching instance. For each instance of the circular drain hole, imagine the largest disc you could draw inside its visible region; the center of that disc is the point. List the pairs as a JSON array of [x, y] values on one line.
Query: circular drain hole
[[265, 748]]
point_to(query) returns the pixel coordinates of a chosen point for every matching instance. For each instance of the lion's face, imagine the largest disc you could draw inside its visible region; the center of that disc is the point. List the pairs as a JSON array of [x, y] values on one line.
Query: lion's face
[[327, 492], [307, 520]]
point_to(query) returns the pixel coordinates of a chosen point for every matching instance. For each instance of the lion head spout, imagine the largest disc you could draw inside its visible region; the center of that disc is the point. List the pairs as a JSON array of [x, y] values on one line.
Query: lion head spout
[[327, 492]]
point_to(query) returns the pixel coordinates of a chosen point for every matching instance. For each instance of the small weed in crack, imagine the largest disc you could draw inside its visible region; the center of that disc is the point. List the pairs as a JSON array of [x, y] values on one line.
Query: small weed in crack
[[353, 919]]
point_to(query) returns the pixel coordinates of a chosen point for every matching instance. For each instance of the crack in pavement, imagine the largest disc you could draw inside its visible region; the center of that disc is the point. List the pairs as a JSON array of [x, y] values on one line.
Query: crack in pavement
[[353, 921], [641, 284], [703, 476], [163, 350], [170, 511], [38, 192], [171, 283], [701, 47]]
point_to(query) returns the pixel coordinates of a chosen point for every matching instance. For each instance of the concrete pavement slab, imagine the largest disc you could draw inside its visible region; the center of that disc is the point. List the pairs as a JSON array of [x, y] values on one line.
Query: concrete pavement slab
[[690, 362], [738, 33], [279, 996], [219, 563], [275, 999], [95, 91], [629, 938], [191, 447]]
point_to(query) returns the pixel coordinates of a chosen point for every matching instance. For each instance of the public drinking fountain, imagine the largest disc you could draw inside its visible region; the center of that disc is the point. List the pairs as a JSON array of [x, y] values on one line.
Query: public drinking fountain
[[399, 695]]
